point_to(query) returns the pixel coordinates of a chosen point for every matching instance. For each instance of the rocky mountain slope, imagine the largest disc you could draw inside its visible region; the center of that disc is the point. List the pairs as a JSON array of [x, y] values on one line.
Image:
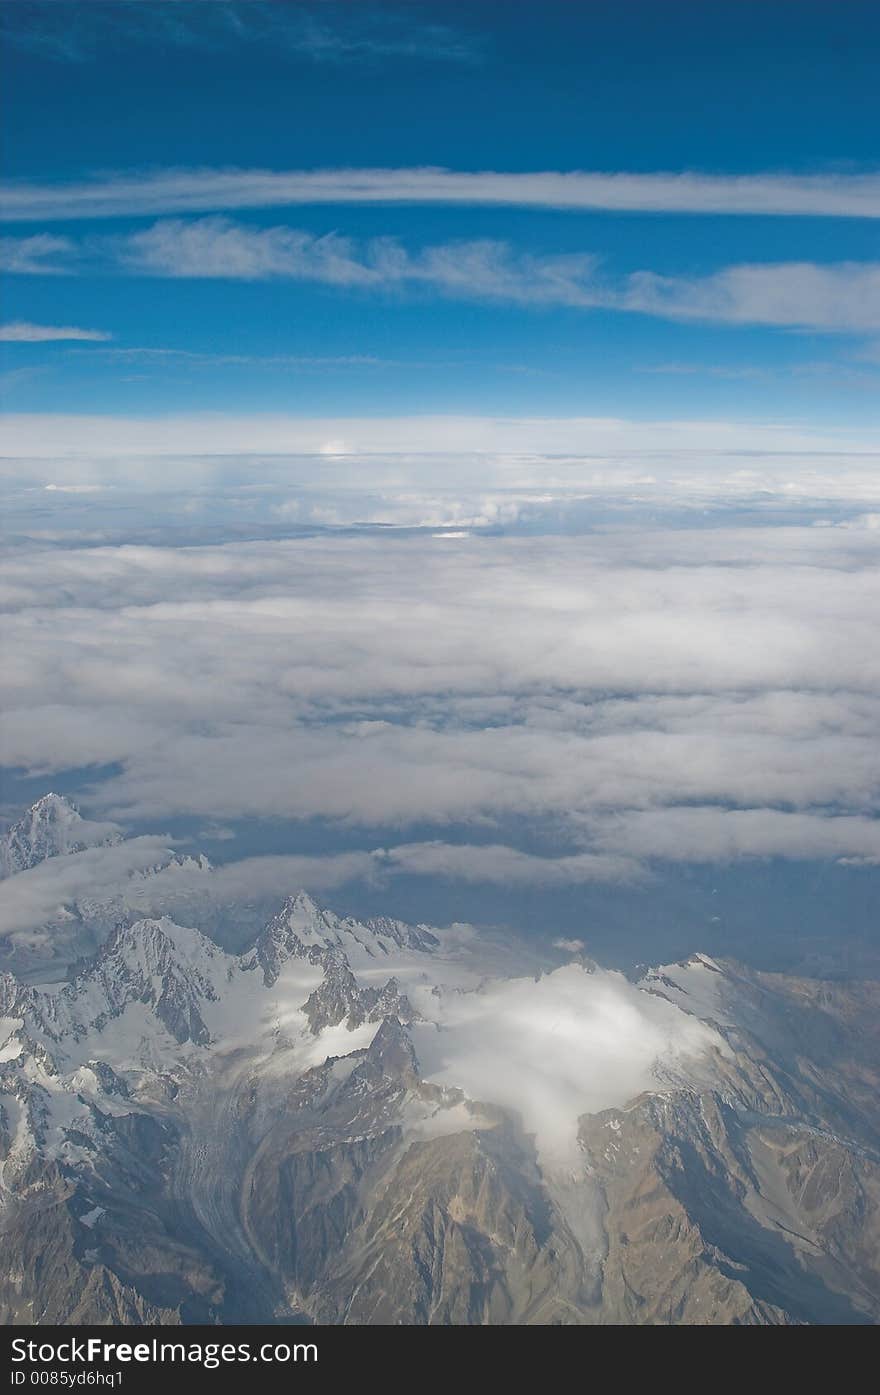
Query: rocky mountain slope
[[50, 827], [377, 1123]]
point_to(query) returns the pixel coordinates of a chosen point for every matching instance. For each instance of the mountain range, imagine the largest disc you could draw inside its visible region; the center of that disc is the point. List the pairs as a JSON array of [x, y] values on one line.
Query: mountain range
[[372, 1122]]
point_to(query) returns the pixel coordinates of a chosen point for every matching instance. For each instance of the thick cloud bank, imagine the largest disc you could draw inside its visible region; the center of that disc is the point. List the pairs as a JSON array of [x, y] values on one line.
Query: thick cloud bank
[[552, 1049], [640, 681]]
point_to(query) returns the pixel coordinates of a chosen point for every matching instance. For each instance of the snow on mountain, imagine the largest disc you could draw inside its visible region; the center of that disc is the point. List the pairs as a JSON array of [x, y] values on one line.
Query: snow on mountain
[[62, 908], [694, 985], [45, 1110], [155, 988], [369, 1121], [68, 881], [159, 996], [301, 926], [49, 828]]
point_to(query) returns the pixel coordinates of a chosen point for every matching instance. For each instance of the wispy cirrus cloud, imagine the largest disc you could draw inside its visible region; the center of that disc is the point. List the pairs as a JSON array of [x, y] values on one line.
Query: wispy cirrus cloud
[[842, 296], [40, 255], [192, 358], [832, 297], [838, 296], [484, 269], [146, 193], [22, 332], [321, 32]]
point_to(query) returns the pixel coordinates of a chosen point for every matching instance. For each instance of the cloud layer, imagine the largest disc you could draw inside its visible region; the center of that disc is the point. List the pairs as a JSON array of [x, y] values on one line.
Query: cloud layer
[[136, 194], [700, 455], [641, 693]]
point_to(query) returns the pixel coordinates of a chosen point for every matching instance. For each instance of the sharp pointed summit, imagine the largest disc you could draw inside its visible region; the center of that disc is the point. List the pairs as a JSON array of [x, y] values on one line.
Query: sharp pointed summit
[[51, 827]]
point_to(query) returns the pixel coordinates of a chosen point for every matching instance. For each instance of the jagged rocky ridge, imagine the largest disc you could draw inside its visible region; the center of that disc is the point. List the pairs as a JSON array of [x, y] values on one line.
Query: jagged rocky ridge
[[49, 828], [307, 1131]]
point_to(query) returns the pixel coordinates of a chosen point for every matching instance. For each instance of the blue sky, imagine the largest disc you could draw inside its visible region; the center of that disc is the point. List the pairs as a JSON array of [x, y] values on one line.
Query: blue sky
[[443, 304]]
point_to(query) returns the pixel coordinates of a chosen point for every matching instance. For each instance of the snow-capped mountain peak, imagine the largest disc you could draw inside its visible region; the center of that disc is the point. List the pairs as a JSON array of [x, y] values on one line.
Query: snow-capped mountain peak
[[154, 965], [49, 828], [155, 987], [302, 929]]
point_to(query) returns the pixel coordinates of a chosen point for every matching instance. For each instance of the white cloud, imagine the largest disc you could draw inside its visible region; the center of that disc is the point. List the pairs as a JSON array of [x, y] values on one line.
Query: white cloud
[[668, 445], [841, 296], [34, 897], [194, 359], [216, 247], [489, 270], [646, 693], [73, 488], [140, 877], [552, 1049], [724, 835], [137, 193], [35, 256], [21, 332], [493, 862]]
